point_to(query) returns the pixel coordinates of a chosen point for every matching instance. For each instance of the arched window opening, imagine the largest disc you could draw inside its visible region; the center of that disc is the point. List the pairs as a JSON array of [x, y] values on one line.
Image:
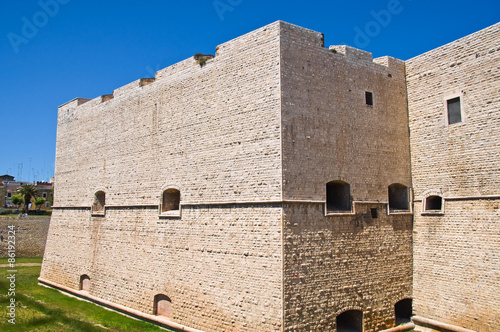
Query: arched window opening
[[99, 202], [338, 196], [403, 311], [398, 197], [350, 321], [163, 305], [171, 200], [433, 203], [84, 283]]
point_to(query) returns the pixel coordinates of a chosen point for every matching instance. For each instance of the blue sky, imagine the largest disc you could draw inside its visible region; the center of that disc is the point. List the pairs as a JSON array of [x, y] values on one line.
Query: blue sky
[[52, 51]]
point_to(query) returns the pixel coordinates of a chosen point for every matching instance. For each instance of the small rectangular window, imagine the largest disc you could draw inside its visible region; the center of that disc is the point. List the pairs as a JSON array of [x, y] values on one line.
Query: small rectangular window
[[454, 111], [369, 98], [374, 213], [9, 195], [44, 195]]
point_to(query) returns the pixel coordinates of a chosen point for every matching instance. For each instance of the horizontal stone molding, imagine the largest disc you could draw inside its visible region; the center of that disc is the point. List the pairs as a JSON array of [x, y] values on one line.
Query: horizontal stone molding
[[401, 328], [465, 198], [437, 324], [157, 320]]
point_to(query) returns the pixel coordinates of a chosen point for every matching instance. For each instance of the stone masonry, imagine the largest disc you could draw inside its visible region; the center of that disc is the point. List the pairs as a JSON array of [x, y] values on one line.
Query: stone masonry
[[279, 186], [31, 235], [456, 250]]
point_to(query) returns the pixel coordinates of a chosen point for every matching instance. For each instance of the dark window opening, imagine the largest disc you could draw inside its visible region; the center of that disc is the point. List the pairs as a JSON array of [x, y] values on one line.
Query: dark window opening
[[433, 203], [398, 197], [84, 283], [338, 196], [369, 98], [454, 112], [171, 200], [162, 305], [99, 201], [374, 213], [350, 321], [403, 311]]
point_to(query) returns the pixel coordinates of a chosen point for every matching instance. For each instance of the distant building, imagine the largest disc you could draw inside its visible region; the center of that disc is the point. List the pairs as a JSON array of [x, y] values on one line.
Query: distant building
[[6, 178], [45, 191], [10, 188], [2, 194]]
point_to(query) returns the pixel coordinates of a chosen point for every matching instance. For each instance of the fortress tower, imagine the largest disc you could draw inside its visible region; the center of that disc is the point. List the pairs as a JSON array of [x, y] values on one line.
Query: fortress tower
[[269, 188]]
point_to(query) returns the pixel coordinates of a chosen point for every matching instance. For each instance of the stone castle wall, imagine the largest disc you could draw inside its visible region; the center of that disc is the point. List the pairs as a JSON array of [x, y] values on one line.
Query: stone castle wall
[[30, 236], [345, 261], [212, 132], [250, 139], [455, 250]]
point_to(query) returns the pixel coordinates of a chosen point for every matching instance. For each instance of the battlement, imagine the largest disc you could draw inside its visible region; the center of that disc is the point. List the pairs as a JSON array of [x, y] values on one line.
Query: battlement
[[301, 36], [126, 89], [351, 53], [75, 102], [356, 55]]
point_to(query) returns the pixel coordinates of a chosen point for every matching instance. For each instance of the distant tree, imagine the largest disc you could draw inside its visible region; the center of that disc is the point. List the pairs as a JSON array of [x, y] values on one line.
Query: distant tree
[[28, 192], [39, 201], [17, 200]]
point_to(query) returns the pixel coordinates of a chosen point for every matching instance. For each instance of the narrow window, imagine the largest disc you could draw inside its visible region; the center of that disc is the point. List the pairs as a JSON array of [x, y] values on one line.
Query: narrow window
[[44, 195], [398, 197], [433, 203], [369, 98], [454, 110], [350, 321], [163, 305], [338, 196], [9, 195], [374, 213], [84, 283], [403, 311], [171, 200], [99, 202]]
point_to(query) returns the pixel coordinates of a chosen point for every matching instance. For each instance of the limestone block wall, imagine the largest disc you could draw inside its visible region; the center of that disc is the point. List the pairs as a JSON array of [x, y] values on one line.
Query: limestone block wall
[[220, 265], [329, 132], [456, 269], [30, 236], [456, 277], [339, 263], [352, 260], [213, 133]]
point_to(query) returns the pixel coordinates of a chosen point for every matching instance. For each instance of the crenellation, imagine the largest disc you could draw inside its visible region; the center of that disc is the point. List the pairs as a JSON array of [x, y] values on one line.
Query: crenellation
[[132, 87], [105, 98], [146, 81], [351, 53]]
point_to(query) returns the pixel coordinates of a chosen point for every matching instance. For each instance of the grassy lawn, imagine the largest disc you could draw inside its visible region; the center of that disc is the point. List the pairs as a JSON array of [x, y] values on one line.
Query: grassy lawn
[[43, 309]]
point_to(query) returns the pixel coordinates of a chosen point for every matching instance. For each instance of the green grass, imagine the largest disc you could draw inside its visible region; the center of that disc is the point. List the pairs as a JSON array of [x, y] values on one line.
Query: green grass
[[44, 309]]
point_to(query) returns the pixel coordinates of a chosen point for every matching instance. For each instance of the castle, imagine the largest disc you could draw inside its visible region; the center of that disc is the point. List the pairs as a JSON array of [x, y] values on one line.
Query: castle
[[285, 186]]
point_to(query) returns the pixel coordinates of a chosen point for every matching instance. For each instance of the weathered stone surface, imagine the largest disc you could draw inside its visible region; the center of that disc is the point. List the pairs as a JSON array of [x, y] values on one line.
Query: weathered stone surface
[[30, 235], [250, 140], [456, 264]]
